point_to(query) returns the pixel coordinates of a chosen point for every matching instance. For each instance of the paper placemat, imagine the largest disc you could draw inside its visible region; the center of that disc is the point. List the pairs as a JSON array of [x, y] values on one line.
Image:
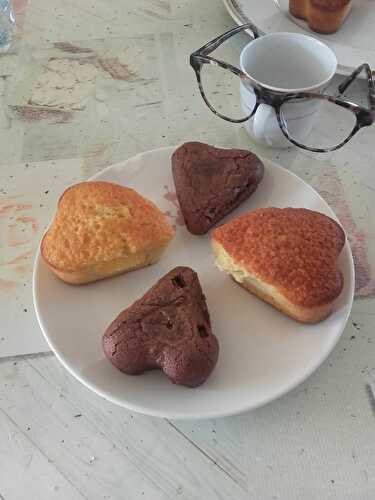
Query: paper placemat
[[28, 196]]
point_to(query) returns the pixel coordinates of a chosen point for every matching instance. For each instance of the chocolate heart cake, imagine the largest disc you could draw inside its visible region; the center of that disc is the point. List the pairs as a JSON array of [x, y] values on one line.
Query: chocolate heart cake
[[168, 328], [211, 182]]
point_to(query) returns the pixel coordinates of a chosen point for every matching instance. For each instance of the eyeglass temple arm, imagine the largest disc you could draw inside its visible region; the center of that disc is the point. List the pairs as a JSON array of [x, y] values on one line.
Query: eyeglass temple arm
[[371, 86], [213, 44]]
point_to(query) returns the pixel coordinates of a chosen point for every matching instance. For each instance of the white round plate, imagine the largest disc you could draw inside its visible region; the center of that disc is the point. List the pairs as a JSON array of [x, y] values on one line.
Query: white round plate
[[263, 354], [353, 43]]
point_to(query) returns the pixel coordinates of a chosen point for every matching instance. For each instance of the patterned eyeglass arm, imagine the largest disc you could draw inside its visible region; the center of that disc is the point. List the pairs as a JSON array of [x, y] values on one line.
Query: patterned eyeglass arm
[[371, 87], [214, 44]]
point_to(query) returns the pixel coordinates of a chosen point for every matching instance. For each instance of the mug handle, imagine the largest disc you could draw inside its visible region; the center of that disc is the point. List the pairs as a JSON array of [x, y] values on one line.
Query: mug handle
[[264, 116]]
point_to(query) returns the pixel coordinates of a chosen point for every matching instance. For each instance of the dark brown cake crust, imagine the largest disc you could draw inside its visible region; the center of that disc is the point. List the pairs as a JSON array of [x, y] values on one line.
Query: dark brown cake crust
[[168, 328], [211, 182]]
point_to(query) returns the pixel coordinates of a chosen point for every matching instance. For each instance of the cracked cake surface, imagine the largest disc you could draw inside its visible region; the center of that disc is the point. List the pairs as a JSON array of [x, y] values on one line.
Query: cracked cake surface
[[211, 182], [101, 229], [168, 328]]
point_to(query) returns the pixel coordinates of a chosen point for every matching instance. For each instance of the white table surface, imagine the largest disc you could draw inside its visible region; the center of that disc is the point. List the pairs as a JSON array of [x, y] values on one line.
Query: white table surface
[[57, 439]]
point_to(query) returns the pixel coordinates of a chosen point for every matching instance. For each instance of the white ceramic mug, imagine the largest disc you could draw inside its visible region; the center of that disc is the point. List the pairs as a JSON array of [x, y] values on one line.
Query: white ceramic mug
[[284, 63]]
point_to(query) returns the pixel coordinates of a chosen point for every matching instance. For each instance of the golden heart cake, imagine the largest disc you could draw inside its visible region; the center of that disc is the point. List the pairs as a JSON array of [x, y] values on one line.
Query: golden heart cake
[[285, 256], [102, 229]]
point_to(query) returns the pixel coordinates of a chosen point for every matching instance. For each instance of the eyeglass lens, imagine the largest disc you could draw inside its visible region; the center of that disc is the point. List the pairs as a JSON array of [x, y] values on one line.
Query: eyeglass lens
[[222, 87], [317, 123]]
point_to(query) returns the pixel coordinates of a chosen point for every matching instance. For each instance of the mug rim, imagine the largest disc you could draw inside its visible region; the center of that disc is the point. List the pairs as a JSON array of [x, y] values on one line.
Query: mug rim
[[291, 90]]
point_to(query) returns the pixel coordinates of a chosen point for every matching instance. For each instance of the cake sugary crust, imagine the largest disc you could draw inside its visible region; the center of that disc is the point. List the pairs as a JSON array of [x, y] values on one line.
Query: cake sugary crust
[[102, 229], [294, 250]]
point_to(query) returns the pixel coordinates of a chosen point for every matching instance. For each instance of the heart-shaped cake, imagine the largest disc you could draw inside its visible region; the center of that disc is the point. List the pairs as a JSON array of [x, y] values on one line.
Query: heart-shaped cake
[[169, 329], [287, 257], [102, 229], [211, 182]]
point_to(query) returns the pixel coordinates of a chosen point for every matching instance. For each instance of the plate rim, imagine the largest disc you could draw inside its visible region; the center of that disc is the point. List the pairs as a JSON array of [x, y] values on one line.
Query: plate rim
[[237, 16], [185, 415]]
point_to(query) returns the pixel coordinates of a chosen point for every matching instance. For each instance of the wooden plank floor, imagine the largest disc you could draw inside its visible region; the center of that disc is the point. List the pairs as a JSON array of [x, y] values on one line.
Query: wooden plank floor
[[65, 442]]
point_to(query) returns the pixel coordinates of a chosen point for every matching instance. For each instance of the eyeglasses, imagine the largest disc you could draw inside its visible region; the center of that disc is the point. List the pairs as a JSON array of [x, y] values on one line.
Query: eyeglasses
[[339, 119]]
